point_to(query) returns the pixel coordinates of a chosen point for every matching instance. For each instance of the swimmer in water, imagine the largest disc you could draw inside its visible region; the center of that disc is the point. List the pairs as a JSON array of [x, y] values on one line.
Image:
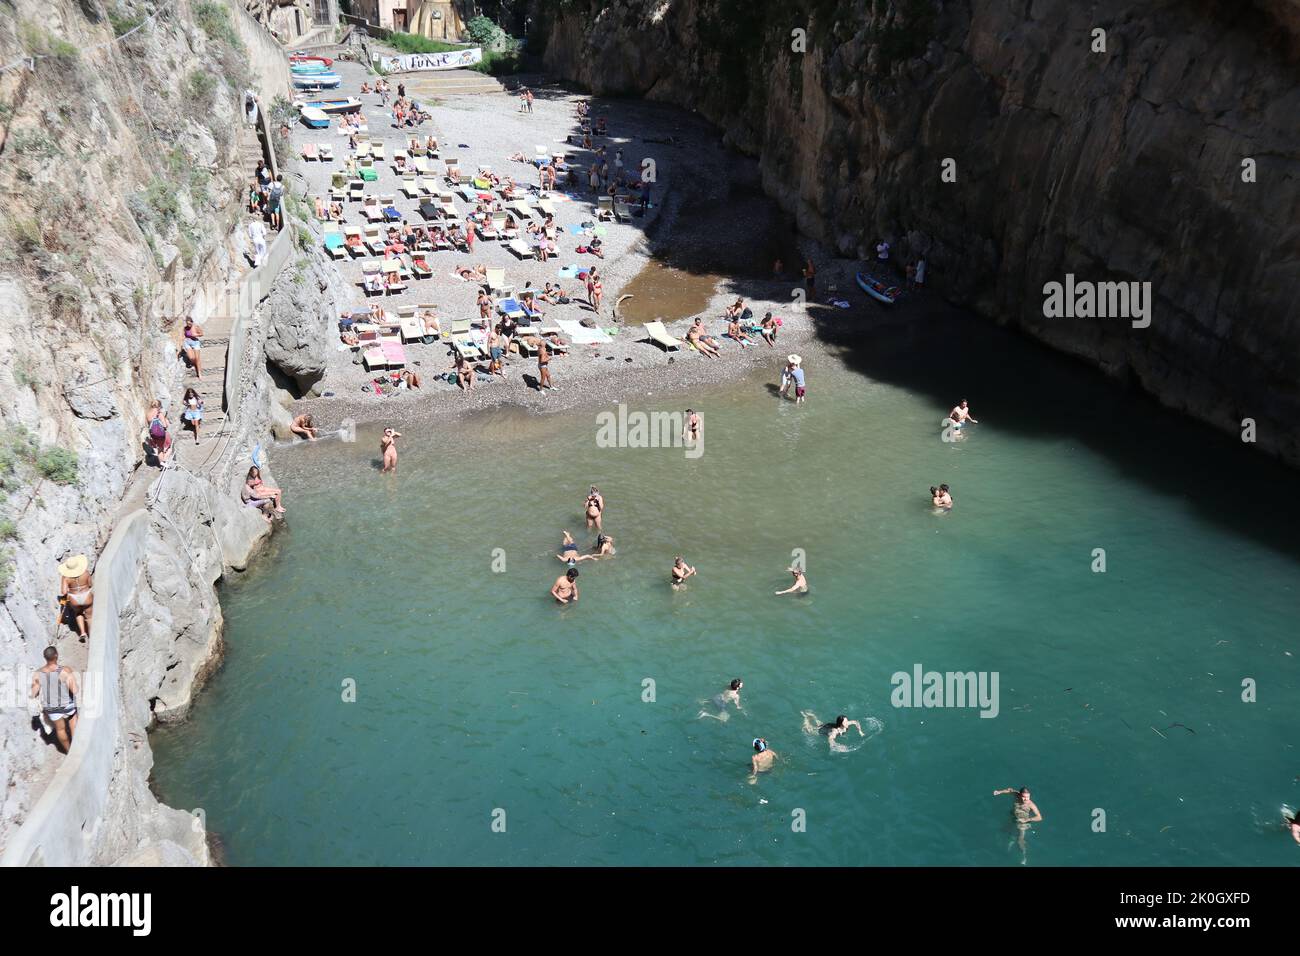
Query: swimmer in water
[[1292, 823], [762, 760], [681, 571], [565, 588], [1024, 812], [729, 696], [800, 583], [569, 550], [940, 497], [830, 731]]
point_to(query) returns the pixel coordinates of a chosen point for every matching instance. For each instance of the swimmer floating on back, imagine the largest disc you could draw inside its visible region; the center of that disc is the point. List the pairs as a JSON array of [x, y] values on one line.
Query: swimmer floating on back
[[830, 731]]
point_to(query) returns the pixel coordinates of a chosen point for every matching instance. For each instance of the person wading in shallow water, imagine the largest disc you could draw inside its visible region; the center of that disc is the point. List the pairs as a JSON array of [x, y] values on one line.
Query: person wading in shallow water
[[565, 588], [762, 760], [388, 449]]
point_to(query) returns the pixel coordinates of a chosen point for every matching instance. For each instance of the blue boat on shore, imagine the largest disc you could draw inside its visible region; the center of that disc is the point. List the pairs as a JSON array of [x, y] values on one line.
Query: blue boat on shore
[[348, 105], [878, 289], [315, 118]]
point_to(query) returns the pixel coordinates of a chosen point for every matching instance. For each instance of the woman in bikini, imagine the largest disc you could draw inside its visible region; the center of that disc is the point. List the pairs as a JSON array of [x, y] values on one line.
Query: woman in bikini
[[264, 491], [192, 412], [595, 505], [75, 592]]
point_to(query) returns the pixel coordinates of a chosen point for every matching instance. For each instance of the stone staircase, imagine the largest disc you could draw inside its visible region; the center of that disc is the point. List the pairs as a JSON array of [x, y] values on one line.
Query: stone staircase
[[446, 83]]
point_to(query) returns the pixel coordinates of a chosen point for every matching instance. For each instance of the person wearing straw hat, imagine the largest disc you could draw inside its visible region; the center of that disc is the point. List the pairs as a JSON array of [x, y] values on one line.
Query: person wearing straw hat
[[75, 592], [800, 583], [56, 686], [796, 376]]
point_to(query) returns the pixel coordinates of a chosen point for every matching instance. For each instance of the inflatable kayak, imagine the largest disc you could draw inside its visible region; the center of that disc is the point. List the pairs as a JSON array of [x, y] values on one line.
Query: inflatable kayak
[[876, 288]]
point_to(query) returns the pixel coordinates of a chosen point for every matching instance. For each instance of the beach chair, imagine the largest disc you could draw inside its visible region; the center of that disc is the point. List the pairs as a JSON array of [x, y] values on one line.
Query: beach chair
[[377, 151], [410, 187], [393, 267], [546, 207], [389, 206], [496, 278], [499, 220], [356, 190], [339, 195], [356, 250], [622, 211], [423, 166], [325, 152], [309, 152], [416, 150], [400, 160], [421, 268], [452, 166], [412, 329], [374, 358], [425, 187], [373, 210], [372, 279], [520, 209], [521, 249], [373, 237], [369, 173], [363, 149], [488, 229], [448, 208], [659, 335], [334, 241], [460, 327], [511, 307]]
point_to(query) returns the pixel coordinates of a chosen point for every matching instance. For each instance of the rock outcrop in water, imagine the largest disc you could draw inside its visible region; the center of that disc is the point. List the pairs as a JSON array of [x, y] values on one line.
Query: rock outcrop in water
[[1118, 165]]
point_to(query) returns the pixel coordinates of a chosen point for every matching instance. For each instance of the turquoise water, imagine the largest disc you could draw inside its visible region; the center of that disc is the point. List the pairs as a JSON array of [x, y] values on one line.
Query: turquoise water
[[475, 692]]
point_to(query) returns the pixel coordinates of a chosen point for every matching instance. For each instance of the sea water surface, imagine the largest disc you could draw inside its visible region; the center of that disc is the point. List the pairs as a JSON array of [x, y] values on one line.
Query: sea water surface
[[479, 701]]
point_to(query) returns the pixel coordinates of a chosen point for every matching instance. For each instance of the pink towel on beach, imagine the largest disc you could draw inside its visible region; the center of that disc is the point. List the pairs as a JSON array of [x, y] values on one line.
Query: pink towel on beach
[[374, 358], [394, 353]]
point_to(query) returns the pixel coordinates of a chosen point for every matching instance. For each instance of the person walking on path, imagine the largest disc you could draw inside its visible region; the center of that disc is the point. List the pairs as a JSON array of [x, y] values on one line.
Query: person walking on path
[[56, 687]]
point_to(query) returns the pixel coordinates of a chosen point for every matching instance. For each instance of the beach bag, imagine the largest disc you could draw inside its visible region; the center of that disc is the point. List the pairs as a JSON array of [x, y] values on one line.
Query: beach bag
[[157, 429]]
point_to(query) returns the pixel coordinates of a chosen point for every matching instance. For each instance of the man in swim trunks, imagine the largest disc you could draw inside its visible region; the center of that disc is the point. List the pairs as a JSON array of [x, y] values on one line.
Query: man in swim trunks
[[796, 378], [388, 449], [762, 760], [830, 731], [960, 415], [681, 571], [800, 583], [565, 588], [56, 686], [569, 550], [1023, 811]]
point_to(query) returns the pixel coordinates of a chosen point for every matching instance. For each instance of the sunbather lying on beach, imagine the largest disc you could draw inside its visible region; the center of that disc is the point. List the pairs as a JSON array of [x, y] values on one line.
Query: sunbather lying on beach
[[472, 273], [703, 343]]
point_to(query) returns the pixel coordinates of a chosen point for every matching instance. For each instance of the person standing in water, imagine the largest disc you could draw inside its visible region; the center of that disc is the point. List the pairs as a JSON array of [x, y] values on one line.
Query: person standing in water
[[388, 449], [681, 571], [830, 731], [800, 583], [960, 414], [762, 760], [940, 497], [1024, 812], [595, 506], [796, 378], [694, 427], [565, 588]]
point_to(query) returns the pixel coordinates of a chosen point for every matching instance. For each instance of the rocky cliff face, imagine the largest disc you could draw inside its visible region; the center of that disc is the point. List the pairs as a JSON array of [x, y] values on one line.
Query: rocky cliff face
[[1125, 164], [121, 165]]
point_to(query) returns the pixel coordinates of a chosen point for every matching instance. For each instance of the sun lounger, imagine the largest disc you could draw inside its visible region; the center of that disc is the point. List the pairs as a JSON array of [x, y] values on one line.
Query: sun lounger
[[469, 349], [422, 165], [357, 249], [510, 307], [356, 190], [448, 208], [363, 149], [325, 152], [604, 207], [579, 334], [421, 268], [374, 358], [309, 152], [374, 240], [373, 210], [393, 267], [622, 212], [659, 335], [410, 186], [520, 248], [369, 174], [412, 329], [460, 327], [377, 151], [334, 241], [496, 278], [546, 207], [520, 209]]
